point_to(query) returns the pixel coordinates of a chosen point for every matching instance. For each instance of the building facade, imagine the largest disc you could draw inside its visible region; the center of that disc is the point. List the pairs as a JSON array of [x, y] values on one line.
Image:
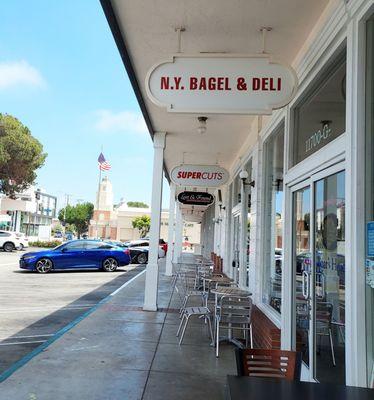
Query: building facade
[[294, 222], [115, 221], [29, 211]]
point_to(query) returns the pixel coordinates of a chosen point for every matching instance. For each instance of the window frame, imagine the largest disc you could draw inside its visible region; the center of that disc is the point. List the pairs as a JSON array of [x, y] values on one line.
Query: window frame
[[323, 76], [279, 129]]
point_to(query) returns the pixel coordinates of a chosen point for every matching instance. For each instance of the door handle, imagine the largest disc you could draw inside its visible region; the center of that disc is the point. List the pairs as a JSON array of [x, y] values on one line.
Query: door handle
[[322, 282], [305, 285]]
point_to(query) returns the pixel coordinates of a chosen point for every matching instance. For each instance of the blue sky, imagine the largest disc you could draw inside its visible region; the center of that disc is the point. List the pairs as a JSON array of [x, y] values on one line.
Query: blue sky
[[62, 76]]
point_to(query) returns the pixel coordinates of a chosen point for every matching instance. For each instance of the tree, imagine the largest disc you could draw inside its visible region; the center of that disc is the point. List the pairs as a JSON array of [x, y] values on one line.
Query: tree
[[137, 204], [78, 215], [143, 224], [20, 156], [57, 228]]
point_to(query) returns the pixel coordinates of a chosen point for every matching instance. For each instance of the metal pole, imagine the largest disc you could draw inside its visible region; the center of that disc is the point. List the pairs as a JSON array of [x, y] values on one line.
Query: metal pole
[[97, 205]]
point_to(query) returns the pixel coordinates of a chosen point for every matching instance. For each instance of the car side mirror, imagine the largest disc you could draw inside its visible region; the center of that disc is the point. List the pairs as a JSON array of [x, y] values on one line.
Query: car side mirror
[[64, 249]]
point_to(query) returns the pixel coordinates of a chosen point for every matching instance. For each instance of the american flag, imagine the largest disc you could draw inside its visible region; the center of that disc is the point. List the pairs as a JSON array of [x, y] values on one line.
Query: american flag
[[103, 163]]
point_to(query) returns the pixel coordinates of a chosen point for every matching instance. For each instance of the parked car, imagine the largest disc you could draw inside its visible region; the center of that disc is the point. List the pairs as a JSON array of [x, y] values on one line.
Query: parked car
[[9, 241], [164, 245], [145, 243], [58, 235], [23, 239], [139, 255], [77, 254]]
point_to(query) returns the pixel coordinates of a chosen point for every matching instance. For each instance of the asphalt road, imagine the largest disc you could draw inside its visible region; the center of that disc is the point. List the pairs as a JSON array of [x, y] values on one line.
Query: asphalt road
[[33, 306]]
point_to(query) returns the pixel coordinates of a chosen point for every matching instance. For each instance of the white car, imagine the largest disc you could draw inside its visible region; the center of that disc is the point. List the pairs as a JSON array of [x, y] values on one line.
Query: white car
[[145, 243], [9, 241], [23, 239]]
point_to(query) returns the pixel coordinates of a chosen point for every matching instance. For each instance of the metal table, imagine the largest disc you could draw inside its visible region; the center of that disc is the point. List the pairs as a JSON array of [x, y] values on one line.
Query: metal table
[[230, 291], [216, 279], [240, 388]]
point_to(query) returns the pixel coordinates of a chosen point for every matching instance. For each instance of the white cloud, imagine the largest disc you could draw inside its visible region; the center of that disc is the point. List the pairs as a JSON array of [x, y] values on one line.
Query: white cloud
[[120, 122], [19, 73]]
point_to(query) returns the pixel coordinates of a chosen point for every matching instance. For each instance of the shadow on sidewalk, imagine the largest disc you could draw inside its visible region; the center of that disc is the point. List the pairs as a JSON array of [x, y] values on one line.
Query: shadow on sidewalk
[[15, 347]]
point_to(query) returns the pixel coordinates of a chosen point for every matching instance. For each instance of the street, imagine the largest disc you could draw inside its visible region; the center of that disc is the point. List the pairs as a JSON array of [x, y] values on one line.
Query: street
[[33, 307]]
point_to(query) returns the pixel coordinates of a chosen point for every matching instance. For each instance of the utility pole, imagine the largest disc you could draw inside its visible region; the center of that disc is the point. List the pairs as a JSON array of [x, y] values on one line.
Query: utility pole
[[67, 198]]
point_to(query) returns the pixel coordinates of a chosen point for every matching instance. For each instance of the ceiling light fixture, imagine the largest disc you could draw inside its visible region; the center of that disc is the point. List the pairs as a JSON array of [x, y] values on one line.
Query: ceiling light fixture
[[202, 125]]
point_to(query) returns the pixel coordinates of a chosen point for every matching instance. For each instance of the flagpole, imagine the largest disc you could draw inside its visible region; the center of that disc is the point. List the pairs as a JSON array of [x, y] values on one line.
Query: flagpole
[[97, 199]]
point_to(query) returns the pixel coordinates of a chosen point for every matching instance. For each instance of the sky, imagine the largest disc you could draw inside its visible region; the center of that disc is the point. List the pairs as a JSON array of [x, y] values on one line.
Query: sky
[[61, 75]]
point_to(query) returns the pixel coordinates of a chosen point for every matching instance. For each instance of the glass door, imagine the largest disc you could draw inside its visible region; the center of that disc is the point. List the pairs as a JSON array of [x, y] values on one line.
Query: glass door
[[329, 285], [319, 276], [302, 269]]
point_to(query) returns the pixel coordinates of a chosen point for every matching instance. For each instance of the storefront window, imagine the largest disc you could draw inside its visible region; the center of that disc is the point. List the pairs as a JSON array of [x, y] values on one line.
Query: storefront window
[[248, 168], [320, 116], [369, 175], [273, 257]]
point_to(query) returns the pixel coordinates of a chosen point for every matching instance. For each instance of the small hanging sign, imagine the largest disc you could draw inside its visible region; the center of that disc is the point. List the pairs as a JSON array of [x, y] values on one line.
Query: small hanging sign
[[188, 175], [196, 198]]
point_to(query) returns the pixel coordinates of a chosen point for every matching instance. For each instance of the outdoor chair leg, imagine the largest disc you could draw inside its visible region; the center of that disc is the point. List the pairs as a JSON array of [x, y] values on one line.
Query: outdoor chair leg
[[210, 328], [332, 348], [217, 338], [184, 303], [180, 325], [184, 330]]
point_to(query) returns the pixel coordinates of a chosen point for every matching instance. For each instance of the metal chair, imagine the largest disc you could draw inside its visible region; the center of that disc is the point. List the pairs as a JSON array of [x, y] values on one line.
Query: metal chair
[[187, 313], [324, 312], [234, 313], [268, 363], [186, 288]]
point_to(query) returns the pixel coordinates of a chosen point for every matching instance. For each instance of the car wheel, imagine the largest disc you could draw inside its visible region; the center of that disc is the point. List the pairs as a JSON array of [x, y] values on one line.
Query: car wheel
[[142, 258], [44, 265], [110, 264], [21, 246], [8, 247]]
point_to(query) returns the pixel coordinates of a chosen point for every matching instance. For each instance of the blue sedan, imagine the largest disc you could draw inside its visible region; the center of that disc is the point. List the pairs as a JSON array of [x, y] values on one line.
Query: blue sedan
[[77, 254]]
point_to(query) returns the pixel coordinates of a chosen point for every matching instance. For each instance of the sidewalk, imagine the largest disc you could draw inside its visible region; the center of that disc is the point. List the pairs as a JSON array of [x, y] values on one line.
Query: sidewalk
[[120, 351]]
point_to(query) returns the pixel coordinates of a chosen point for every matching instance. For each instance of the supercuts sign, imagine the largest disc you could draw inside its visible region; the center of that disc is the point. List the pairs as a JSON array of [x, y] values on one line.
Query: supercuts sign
[[196, 198], [219, 83], [199, 175]]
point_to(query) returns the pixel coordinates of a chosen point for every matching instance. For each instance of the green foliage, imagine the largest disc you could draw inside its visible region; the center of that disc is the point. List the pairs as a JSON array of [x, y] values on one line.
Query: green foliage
[[143, 224], [137, 204], [78, 215], [47, 244], [20, 156], [70, 228], [57, 228]]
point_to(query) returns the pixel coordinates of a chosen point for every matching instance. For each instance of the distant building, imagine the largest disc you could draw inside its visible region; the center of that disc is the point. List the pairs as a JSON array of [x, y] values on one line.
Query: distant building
[[28, 211], [115, 222], [103, 211]]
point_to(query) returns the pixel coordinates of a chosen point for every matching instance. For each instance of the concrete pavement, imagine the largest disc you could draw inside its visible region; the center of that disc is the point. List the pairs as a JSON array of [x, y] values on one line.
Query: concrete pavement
[[34, 307], [121, 352]]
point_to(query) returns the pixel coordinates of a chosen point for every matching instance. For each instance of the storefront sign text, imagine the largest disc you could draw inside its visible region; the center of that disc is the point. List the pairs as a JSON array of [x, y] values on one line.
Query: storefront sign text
[[317, 138], [219, 83], [196, 198], [199, 175]]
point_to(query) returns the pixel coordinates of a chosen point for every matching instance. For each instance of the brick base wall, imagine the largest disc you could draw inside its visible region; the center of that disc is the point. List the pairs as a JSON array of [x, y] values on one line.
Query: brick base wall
[[265, 334]]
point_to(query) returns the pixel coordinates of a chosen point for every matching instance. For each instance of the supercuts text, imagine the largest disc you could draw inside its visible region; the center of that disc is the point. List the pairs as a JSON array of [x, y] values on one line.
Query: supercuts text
[[200, 175]]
